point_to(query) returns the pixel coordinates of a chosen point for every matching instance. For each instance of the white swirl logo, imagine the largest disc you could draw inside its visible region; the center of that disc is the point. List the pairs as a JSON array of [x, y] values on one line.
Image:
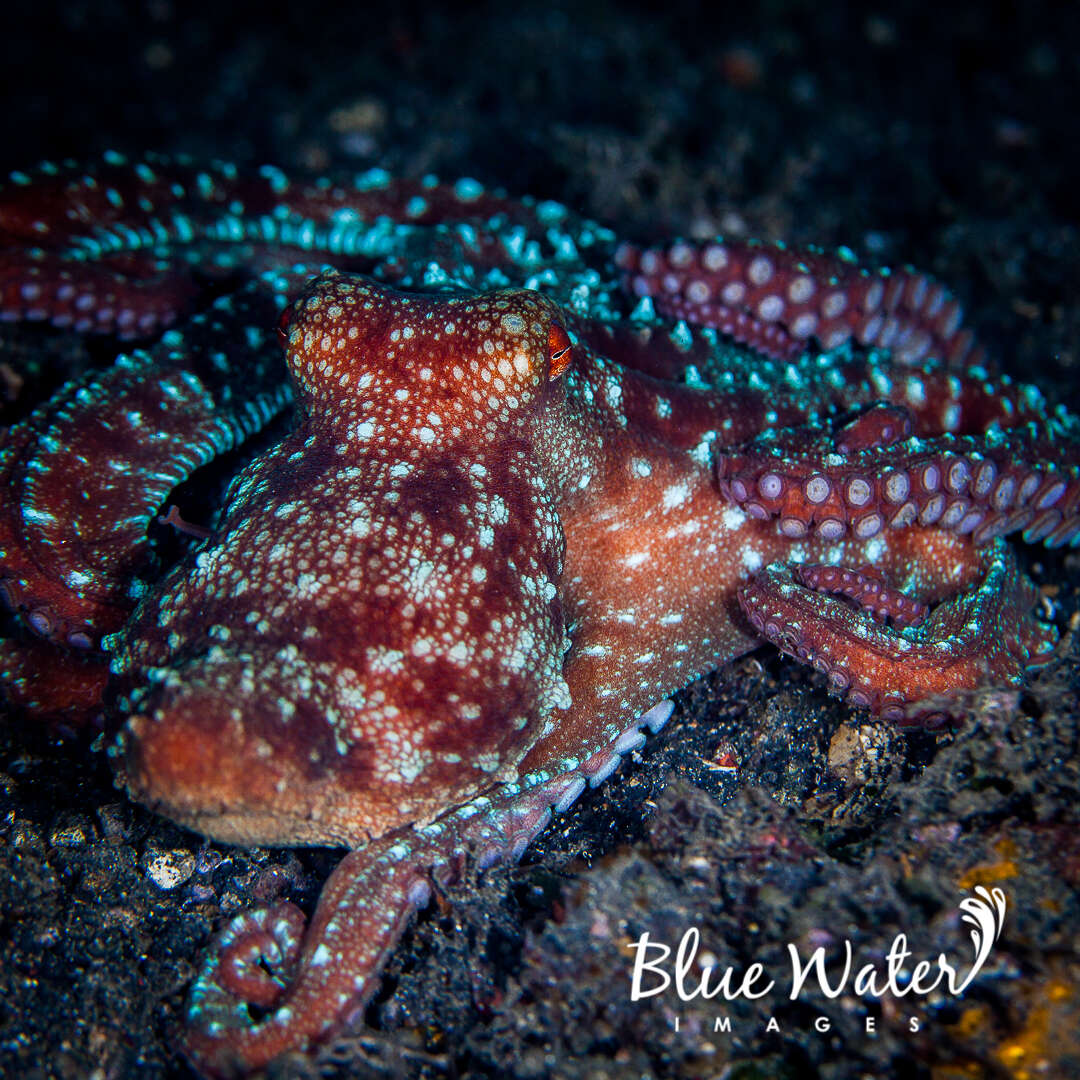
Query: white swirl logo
[[986, 913]]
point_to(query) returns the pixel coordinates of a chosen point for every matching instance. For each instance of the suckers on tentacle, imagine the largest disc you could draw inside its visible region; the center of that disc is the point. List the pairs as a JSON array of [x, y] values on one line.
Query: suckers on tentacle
[[986, 633]]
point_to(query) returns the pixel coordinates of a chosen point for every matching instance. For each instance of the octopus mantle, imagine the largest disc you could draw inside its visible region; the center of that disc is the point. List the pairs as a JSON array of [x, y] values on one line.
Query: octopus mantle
[[531, 483]]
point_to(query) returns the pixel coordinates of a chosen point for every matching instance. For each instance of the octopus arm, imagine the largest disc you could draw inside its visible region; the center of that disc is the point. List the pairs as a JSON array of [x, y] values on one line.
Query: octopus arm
[[984, 634], [270, 986]]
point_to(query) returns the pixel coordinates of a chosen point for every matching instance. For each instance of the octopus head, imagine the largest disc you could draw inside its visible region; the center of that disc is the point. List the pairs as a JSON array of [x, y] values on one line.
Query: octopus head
[[374, 633]]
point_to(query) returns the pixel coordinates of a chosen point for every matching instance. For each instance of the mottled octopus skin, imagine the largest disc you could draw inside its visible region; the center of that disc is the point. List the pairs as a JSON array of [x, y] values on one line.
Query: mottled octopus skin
[[510, 518], [421, 518]]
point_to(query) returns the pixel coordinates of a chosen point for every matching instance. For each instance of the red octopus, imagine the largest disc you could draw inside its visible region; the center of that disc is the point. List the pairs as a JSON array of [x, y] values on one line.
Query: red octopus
[[514, 510]]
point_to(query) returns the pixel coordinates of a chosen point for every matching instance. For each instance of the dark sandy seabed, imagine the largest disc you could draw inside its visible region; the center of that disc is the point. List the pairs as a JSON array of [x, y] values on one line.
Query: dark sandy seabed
[[940, 136]]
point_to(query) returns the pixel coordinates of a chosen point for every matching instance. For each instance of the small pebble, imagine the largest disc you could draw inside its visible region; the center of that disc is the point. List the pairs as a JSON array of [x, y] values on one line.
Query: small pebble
[[167, 869], [71, 831]]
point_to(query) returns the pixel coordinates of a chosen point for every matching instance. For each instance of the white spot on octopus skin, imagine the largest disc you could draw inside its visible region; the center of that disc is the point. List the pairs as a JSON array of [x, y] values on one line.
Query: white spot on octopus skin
[[675, 495]]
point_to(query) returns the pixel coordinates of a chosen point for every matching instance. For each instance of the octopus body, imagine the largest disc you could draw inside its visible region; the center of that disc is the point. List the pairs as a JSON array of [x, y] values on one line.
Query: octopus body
[[531, 484]]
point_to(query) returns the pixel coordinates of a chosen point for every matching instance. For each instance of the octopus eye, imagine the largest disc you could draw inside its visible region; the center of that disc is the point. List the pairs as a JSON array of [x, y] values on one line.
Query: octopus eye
[[560, 351], [284, 323]]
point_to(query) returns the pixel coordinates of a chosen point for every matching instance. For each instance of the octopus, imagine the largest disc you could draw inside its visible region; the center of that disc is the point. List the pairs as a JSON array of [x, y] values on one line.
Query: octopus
[[498, 486]]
